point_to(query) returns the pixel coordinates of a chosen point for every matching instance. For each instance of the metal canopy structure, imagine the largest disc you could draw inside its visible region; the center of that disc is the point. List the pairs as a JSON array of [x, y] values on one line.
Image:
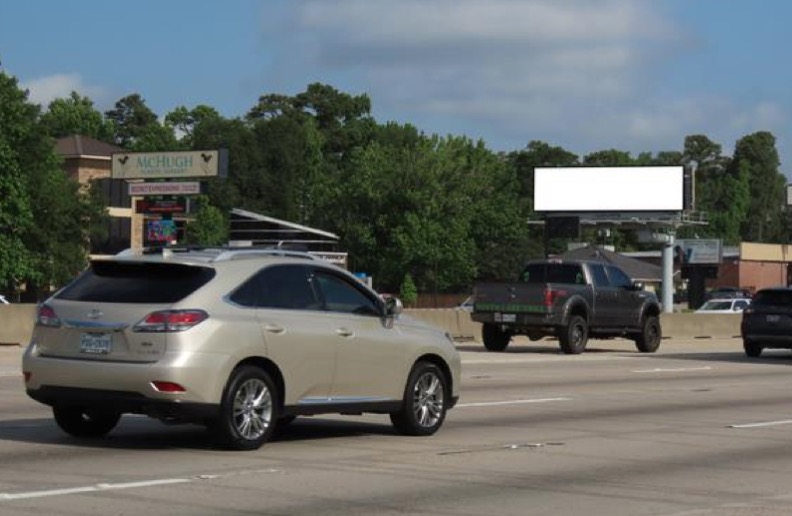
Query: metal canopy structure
[[253, 229], [249, 229]]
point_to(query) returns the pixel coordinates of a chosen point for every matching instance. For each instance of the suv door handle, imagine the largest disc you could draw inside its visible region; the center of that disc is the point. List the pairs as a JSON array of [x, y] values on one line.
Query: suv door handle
[[274, 328], [344, 332]]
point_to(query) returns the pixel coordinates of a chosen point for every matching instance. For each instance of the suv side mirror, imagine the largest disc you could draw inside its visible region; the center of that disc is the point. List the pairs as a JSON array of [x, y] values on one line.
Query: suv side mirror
[[393, 307]]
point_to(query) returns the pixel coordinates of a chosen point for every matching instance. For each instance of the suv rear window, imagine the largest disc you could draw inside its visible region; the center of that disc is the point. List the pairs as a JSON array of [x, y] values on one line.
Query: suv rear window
[[109, 281], [773, 298]]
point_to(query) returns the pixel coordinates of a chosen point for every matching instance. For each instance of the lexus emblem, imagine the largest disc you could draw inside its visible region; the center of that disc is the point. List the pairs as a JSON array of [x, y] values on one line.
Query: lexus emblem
[[95, 314]]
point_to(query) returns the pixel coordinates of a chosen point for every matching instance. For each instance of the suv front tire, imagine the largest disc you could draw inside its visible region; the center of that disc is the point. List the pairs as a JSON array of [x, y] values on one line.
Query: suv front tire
[[425, 401]]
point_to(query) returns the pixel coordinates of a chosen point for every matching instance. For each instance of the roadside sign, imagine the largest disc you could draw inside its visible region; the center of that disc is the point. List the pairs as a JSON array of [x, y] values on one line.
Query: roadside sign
[[164, 188], [698, 251], [161, 231], [161, 205], [168, 165]]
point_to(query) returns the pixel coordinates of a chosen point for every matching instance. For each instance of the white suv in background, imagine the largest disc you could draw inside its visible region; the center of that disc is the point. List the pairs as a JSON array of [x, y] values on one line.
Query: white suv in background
[[238, 340]]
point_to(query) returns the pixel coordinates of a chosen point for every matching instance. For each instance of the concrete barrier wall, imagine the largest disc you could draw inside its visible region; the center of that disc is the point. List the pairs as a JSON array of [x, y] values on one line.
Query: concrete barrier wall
[[677, 325], [16, 324]]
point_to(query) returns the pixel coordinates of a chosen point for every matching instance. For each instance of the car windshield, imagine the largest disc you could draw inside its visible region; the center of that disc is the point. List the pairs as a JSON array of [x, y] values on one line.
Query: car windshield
[[716, 305]]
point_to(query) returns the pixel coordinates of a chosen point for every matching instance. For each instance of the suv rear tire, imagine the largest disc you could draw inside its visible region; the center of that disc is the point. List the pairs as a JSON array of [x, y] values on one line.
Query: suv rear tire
[[85, 422], [574, 336], [249, 410], [495, 339], [425, 401]]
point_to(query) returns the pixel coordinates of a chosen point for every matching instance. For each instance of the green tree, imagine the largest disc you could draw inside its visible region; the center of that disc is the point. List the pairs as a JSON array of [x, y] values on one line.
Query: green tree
[[185, 121], [709, 166], [47, 244], [17, 123], [608, 158], [408, 291], [210, 226], [537, 154], [136, 127], [76, 114], [16, 216], [244, 186], [437, 207], [757, 155], [728, 201]]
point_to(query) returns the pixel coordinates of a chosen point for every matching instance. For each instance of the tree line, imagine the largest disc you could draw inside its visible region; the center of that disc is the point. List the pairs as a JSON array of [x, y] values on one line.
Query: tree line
[[440, 211]]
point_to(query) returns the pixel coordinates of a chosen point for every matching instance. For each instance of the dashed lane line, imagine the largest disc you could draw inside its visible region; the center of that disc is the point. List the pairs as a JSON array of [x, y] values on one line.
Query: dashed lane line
[[763, 424], [509, 402], [672, 370]]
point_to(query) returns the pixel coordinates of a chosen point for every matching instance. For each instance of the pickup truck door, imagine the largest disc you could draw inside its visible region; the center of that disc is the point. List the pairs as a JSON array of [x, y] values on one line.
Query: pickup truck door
[[627, 302], [605, 297]]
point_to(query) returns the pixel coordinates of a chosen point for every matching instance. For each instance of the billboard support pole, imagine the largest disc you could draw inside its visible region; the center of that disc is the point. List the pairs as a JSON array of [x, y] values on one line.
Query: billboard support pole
[[668, 275]]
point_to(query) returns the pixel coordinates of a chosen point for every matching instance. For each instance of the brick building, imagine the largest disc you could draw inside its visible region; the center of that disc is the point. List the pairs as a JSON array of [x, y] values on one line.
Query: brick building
[[87, 159], [757, 266]]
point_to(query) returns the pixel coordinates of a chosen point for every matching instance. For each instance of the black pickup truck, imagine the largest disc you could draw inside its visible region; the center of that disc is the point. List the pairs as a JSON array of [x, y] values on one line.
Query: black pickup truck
[[571, 300]]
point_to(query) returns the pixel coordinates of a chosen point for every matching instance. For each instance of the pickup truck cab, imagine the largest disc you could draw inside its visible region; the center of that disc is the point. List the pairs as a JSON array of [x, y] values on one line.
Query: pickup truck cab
[[571, 300]]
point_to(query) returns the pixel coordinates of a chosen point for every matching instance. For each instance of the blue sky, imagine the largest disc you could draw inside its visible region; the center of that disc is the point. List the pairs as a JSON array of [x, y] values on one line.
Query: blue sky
[[635, 75]]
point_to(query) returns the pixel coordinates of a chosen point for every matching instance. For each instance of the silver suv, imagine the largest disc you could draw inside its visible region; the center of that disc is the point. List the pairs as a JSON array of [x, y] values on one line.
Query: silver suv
[[238, 340]]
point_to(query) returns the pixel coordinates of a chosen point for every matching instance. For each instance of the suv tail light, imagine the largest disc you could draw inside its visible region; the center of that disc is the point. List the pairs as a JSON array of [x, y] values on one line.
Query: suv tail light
[[46, 316], [168, 321]]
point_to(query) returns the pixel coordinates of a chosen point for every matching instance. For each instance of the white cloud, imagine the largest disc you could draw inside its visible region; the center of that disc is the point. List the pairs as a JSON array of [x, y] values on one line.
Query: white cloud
[[447, 53], [421, 22], [44, 90], [585, 74]]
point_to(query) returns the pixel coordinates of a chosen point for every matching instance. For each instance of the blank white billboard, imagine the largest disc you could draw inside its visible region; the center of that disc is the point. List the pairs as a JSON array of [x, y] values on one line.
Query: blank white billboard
[[614, 189]]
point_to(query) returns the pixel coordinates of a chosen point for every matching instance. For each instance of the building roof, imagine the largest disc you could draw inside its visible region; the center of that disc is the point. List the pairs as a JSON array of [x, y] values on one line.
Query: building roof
[[79, 145], [637, 270]]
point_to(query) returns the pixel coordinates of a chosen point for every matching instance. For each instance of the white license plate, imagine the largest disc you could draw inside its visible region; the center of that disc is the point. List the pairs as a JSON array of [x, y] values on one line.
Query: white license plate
[[773, 318], [509, 318], [96, 343]]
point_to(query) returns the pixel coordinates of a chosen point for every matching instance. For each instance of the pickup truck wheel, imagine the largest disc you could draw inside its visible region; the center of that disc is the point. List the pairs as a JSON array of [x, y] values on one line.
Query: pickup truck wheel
[[573, 336], [752, 349], [494, 338], [649, 339]]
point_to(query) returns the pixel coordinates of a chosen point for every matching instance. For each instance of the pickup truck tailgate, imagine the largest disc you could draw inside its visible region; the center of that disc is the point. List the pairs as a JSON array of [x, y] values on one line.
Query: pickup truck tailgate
[[511, 297]]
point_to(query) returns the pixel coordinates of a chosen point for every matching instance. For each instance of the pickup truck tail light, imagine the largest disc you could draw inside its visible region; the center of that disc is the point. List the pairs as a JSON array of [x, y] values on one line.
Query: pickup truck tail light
[[550, 296]]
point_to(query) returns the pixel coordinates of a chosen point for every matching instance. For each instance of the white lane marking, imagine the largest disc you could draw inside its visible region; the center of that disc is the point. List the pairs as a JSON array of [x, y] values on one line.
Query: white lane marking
[[91, 489], [11, 373], [509, 359], [676, 370], [510, 402], [766, 423], [129, 485]]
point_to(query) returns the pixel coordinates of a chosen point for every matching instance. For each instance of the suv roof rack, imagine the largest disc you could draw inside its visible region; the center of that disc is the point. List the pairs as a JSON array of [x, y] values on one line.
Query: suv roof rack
[[215, 253]]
